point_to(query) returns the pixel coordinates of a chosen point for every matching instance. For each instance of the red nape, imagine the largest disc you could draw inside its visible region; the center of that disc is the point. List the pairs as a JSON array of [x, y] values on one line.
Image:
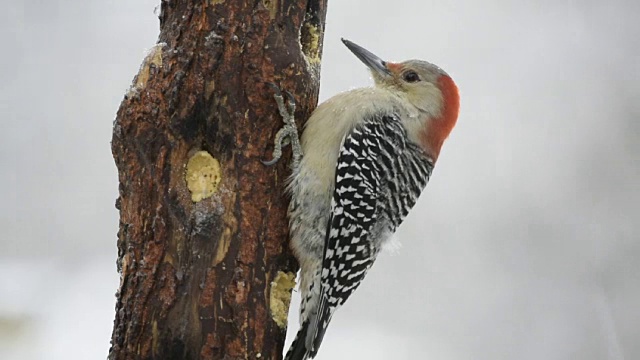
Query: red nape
[[437, 130]]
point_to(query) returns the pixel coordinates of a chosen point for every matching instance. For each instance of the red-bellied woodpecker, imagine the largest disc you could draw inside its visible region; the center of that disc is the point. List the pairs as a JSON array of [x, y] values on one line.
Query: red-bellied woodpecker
[[368, 153]]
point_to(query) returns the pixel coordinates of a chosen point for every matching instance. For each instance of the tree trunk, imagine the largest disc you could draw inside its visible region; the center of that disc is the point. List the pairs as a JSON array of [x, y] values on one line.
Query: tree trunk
[[206, 272]]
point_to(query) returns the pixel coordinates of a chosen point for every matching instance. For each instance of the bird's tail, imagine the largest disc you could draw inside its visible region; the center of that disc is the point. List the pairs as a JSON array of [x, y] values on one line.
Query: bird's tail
[[298, 349]]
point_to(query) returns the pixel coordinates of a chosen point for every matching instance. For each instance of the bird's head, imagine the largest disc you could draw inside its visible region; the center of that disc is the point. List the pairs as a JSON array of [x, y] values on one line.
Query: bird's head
[[425, 86]]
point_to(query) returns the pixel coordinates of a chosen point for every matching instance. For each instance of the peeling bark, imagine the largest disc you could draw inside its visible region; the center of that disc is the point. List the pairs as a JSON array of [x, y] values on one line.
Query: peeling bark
[[201, 241]]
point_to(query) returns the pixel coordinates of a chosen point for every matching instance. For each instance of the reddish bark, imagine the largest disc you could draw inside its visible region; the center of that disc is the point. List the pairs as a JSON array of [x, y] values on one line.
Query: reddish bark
[[195, 276]]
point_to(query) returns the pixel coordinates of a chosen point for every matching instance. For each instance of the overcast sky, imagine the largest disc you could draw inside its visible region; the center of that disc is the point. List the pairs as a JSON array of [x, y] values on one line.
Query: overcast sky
[[525, 245]]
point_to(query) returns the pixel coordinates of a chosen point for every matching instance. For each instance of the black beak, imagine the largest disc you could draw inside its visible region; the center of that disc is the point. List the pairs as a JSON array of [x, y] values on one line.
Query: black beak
[[373, 62]]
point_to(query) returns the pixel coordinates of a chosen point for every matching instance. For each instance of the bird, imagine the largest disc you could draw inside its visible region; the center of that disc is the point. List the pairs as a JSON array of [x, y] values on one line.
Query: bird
[[360, 165]]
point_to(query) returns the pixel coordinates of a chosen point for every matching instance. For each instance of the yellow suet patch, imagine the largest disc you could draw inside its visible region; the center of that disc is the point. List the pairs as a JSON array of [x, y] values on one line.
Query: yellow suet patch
[[311, 43], [203, 175], [281, 297], [153, 58]]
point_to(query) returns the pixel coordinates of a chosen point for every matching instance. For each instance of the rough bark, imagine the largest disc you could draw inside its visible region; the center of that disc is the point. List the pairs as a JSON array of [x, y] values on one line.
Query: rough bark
[[197, 262]]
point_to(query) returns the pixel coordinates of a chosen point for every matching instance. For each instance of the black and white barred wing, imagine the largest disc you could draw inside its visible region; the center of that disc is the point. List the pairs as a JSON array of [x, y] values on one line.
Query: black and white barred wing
[[379, 177]]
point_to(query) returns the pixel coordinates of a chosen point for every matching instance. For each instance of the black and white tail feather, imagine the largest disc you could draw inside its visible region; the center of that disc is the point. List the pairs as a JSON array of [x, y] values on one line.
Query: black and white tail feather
[[379, 177]]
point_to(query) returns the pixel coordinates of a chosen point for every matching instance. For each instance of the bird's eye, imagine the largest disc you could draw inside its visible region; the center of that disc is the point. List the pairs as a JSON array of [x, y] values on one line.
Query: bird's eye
[[411, 76]]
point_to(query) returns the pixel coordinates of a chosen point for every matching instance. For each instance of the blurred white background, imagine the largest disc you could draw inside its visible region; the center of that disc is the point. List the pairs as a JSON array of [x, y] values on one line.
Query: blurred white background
[[526, 244]]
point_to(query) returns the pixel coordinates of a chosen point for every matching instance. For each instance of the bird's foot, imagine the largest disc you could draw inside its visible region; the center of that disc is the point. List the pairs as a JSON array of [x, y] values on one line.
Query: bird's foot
[[288, 134]]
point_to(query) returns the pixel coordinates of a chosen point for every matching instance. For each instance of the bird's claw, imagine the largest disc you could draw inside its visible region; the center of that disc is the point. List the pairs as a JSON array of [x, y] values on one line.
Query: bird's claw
[[288, 134], [273, 87], [291, 102], [269, 162]]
